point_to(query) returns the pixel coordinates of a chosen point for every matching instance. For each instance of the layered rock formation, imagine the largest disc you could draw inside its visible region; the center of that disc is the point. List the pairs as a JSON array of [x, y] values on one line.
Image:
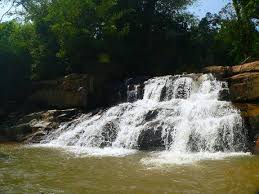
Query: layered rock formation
[[67, 92], [244, 92], [76, 91], [243, 80], [32, 127]]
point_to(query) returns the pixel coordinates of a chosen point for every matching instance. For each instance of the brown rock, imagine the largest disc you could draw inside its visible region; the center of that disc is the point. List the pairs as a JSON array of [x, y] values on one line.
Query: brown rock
[[256, 149], [250, 113], [243, 80], [248, 67], [219, 71], [68, 92], [32, 127], [227, 71], [244, 87]]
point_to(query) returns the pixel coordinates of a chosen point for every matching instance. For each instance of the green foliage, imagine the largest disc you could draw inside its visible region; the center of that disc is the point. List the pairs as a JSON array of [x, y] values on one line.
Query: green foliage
[[119, 38], [137, 37], [15, 58], [239, 31]]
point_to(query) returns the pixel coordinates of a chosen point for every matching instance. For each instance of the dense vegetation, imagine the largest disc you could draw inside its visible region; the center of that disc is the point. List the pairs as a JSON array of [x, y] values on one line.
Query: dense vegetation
[[120, 38]]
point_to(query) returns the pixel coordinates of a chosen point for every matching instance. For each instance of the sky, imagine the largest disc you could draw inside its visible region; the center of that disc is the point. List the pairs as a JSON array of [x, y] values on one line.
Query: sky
[[203, 6], [200, 8]]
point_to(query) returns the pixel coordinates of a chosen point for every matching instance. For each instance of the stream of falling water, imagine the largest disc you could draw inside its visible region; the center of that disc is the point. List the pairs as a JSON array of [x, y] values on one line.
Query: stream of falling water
[[182, 115]]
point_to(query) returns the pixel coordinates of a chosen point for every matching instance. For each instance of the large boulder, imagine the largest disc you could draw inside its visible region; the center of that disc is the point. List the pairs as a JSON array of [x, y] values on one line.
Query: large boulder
[[244, 87], [150, 139], [247, 67]]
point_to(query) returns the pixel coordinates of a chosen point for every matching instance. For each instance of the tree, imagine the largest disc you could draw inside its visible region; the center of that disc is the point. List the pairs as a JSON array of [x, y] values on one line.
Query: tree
[[108, 37], [245, 10], [15, 59]]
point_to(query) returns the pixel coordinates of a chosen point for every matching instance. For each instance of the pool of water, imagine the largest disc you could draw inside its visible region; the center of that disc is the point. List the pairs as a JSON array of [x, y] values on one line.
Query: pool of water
[[46, 170]]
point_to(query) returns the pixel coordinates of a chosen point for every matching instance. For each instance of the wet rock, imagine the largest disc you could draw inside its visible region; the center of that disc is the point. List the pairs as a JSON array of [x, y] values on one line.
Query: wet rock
[[35, 137], [109, 134], [137, 80], [151, 138], [135, 92], [135, 88], [250, 113], [224, 95], [256, 147], [151, 115], [32, 127]]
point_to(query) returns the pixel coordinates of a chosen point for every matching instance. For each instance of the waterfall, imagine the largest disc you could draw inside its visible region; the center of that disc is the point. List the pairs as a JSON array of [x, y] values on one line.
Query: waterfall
[[180, 114]]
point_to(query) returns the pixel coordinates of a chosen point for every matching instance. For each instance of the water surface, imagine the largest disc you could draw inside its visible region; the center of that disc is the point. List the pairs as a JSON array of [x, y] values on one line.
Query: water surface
[[46, 170]]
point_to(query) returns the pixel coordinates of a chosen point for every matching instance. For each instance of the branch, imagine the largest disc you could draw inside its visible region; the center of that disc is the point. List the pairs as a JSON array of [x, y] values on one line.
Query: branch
[[2, 17]]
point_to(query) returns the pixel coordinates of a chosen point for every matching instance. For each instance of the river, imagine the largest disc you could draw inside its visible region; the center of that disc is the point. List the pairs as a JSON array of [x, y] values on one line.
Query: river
[[26, 169]]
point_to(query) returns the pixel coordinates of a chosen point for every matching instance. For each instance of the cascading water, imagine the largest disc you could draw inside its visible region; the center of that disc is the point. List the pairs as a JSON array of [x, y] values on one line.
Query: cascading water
[[181, 114]]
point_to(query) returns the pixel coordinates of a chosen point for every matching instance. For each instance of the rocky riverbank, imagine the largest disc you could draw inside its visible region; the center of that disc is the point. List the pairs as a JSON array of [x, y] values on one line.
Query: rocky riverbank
[[30, 128]]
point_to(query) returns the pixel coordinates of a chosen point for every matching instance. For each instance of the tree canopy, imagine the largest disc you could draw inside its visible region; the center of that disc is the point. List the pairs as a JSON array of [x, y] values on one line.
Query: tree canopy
[[120, 38]]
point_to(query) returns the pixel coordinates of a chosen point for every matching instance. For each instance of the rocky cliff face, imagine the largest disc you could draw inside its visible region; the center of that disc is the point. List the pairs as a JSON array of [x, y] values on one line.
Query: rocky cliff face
[[77, 91], [70, 91], [244, 92]]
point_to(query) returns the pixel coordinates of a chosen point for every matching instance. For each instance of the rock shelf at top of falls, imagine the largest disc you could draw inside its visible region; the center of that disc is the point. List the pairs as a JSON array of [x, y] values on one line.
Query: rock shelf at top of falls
[[181, 114]]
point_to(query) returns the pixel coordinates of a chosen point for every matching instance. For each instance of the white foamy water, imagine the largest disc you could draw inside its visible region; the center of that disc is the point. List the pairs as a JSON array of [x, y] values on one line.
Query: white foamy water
[[90, 151], [182, 114], [178, 158]]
